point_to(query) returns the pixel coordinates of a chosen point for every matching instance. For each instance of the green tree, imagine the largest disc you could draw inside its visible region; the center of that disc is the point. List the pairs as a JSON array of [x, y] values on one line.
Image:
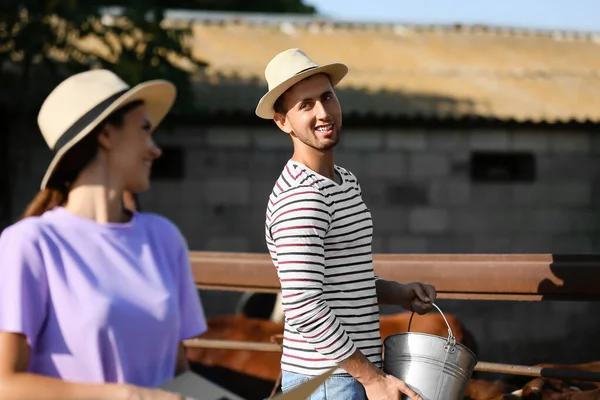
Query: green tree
[[272, 6], [44, 41]]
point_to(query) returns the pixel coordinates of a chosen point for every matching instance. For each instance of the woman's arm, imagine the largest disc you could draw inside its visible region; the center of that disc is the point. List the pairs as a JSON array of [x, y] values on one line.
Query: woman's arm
[[17, 384], [182, 364]]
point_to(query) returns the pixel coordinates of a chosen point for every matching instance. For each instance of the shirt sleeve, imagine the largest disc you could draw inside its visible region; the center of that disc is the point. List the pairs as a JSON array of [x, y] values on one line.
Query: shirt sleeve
[[299, 222], [23, 285], [191, 311], [359, 188]]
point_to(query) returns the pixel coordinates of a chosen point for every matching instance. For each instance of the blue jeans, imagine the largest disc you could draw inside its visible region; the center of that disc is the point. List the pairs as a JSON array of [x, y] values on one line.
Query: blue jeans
[[342, 387]]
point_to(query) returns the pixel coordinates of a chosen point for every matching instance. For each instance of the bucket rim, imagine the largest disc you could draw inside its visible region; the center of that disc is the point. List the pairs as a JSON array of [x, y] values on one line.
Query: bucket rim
[[462, 346]]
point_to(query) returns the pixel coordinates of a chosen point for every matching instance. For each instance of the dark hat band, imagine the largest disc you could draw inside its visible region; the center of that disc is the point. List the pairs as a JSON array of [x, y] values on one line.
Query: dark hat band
[[85, 120], [306, 69]]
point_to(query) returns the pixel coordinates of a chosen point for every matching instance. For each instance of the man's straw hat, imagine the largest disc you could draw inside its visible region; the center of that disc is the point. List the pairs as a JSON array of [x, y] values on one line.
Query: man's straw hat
[[82, 101], [288, 68]]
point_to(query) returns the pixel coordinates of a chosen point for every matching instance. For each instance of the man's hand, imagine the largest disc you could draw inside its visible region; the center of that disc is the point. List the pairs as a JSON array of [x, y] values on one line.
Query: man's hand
[[378, 385], [418, 297], [388, 387]]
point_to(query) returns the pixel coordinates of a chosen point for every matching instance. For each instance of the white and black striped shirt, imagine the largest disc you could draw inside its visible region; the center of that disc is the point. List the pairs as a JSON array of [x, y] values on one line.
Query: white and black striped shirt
[[319, 235]]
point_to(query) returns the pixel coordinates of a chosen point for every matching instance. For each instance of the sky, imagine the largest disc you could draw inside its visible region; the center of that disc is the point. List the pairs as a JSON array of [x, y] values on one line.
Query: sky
[[579, 15]]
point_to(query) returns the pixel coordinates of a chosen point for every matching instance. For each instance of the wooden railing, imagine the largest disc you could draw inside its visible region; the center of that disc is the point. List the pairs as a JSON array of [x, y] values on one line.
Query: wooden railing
[[455, 276], [522, 277]]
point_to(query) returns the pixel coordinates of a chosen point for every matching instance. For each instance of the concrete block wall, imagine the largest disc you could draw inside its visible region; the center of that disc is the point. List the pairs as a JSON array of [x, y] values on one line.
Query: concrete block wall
[[416, 183]]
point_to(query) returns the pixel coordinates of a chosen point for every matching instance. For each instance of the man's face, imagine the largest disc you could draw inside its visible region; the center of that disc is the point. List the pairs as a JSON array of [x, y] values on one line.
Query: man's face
[[314, 115]]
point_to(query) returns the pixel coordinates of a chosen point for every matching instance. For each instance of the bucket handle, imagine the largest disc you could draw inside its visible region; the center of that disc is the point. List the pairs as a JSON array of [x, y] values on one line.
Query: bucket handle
[[451, 339]]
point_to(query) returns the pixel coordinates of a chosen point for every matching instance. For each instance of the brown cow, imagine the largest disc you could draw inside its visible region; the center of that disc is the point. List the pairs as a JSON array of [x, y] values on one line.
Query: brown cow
[[553, 389], [557, 389], [593, 366], [432, 323], [577, 395], [266, 365], [481, 389]]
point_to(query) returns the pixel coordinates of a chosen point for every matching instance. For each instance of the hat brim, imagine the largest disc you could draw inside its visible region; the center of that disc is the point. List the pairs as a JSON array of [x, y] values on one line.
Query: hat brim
[[335, 71], [158, 97]]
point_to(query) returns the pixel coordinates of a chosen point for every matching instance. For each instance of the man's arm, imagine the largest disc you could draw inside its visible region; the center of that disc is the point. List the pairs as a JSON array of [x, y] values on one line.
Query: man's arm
[[388, 292], [299, 222], [415, 296]]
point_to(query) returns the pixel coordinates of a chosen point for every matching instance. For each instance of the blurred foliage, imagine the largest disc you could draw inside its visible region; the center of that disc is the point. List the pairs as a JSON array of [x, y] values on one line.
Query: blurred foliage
[[44, 41], [274, 6]]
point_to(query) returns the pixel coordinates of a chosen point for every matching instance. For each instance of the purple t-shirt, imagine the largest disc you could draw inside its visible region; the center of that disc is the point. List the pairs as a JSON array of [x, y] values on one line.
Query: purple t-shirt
[[99, 302]]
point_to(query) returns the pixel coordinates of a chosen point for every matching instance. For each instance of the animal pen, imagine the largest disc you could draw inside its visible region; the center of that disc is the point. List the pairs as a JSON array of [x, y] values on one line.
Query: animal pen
[[516, 277]]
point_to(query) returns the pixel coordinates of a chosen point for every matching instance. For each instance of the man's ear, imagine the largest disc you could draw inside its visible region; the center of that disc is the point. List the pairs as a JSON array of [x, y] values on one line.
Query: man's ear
[[282, 123]]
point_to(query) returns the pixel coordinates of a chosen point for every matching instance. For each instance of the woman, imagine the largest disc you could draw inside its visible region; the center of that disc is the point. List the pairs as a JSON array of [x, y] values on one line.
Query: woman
[[95, 299], [131, 202]]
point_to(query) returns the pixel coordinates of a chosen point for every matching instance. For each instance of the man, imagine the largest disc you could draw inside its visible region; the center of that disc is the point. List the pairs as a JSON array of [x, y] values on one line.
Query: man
[[319, 231]]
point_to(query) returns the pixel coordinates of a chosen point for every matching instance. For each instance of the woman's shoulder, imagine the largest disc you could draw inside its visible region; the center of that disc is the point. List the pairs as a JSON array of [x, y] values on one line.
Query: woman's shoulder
[[26, 228], [164, 234], [23, 239], [156, 222]]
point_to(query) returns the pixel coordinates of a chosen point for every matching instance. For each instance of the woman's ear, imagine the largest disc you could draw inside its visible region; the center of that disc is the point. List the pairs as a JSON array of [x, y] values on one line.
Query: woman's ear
[[107, 138]]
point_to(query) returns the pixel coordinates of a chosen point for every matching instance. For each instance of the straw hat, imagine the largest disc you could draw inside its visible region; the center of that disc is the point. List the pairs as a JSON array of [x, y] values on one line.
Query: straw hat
[[82, 101], [288, 68]]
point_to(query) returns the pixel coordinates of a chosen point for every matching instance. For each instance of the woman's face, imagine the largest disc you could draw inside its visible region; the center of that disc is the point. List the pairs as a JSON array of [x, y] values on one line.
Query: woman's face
[[132, 150]]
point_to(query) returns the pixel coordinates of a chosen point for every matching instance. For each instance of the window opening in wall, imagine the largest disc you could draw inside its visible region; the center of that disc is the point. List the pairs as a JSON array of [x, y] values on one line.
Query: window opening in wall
[[488, 166], [170, 165]]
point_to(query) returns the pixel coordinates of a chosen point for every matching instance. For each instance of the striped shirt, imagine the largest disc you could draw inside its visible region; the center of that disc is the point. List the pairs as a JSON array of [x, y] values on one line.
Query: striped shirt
[[319, 236]]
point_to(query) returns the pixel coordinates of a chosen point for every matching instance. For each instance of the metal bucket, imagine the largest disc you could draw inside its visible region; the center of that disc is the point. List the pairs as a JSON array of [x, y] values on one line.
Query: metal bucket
[[435, 367]]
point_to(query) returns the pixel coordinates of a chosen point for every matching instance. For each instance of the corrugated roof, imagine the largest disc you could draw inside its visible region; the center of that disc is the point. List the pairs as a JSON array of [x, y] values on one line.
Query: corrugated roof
[[403, 70]]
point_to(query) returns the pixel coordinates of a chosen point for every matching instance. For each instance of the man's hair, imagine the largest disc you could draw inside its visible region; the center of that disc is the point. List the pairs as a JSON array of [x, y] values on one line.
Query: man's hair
[[279, 106]]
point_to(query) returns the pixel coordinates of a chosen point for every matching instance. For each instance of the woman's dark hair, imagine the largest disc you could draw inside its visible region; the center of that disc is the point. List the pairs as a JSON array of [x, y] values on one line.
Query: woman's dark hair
[[69, 167]]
